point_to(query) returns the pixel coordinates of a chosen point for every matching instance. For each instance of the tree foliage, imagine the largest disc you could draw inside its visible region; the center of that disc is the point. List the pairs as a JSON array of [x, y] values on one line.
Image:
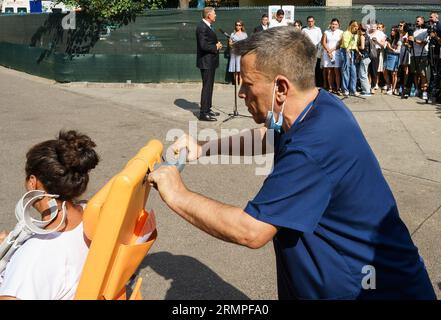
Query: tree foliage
[[115, 10]]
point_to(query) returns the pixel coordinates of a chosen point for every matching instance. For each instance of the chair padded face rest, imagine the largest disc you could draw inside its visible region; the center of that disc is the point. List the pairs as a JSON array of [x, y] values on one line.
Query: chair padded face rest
[[92, 211]]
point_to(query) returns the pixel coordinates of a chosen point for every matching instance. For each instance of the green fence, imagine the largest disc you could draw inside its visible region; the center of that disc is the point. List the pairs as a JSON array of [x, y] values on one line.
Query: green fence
[[159, 46]]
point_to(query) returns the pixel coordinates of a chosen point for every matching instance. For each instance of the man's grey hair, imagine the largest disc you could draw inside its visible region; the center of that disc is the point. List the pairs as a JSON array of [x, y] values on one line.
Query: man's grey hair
[[206, 11], [282, 51]]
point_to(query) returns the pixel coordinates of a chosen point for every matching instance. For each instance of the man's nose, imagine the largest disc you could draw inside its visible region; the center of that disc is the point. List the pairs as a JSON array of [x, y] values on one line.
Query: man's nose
[[241, 93]]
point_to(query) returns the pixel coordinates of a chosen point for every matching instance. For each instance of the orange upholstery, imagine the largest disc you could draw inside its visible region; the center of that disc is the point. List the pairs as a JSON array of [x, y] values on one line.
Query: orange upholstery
[[113, 221]]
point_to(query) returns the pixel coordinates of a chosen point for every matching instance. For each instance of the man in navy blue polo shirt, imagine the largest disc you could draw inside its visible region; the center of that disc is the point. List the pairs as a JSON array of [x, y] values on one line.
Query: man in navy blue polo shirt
[[331, 215]]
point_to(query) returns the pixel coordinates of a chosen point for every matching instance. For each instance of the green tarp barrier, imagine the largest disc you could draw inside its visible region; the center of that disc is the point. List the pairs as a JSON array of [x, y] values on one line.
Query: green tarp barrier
[[159, 46]]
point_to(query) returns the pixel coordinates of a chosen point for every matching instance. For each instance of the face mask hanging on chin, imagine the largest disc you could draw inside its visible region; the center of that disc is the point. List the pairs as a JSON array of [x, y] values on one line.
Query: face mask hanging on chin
[[27, 226], [270, 121], [24, 205]]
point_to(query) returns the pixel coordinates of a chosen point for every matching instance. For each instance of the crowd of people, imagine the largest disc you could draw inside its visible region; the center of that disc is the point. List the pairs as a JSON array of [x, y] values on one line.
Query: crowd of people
[[367, 59], [362, 59]]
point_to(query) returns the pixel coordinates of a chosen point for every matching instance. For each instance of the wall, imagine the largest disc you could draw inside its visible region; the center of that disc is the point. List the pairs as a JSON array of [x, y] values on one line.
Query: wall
[[159, 46]]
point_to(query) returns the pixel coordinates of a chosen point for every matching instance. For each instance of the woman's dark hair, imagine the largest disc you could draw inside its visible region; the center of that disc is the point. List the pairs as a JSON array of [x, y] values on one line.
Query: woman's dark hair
[[299, 22], [395, 38], [63, 165], [408, 28], [335, 20]]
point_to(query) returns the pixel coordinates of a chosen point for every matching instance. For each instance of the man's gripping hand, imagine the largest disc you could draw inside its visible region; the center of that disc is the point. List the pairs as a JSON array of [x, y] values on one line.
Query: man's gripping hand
[[169, 183]]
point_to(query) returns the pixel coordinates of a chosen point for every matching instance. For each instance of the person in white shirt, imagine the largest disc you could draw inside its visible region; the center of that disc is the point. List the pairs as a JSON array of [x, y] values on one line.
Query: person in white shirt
[[331, 56], [381, 46], [280, 20], [419, 61], [48, 267], [379, 38], [315, 35]]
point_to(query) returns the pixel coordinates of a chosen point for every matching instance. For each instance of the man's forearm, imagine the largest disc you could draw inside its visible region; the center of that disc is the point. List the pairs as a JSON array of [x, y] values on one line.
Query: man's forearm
[[247, 143], [222, 221]]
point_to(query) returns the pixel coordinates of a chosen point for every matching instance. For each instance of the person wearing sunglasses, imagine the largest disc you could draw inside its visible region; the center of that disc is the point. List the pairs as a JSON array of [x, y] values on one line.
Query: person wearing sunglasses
[[238, 35]]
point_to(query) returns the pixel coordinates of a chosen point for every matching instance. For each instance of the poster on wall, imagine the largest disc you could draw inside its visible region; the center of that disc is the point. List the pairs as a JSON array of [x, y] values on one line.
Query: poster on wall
[[289, 13]]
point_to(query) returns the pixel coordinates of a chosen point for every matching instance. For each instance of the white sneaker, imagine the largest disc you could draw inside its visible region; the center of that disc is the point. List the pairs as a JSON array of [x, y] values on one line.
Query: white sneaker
[[346, 94], [389, 92], [425, 96], [384, 88], [376, 87]]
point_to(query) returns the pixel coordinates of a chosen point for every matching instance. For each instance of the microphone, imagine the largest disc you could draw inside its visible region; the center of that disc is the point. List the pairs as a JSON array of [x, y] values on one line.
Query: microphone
[[224, 33]]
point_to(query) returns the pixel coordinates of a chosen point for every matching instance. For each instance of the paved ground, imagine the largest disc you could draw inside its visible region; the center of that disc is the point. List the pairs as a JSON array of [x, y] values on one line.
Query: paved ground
[[185, 263]]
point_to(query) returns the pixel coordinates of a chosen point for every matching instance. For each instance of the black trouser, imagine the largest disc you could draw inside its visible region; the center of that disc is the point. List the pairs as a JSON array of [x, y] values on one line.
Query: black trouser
[[207, 89], [435, 76], [373, 70], [318, 74]]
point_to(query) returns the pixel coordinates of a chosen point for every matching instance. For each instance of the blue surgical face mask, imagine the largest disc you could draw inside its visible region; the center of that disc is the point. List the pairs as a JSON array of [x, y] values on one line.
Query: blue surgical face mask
[[271, 122]]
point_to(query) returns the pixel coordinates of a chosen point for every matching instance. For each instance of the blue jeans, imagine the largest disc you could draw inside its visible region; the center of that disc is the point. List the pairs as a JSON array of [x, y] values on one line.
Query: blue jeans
[[348, 71], [363, 75]]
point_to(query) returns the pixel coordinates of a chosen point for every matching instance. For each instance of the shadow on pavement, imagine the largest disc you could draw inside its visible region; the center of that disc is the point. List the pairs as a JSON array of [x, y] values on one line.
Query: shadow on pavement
[[191, 279], [438, 111], [188, 106]]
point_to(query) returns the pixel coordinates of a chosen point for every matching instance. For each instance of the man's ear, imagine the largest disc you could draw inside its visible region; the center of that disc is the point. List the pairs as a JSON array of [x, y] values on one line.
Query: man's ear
[[282, 86]]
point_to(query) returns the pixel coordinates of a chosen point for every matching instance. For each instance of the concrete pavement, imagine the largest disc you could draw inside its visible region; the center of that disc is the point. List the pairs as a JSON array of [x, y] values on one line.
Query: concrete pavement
[[185, 263]]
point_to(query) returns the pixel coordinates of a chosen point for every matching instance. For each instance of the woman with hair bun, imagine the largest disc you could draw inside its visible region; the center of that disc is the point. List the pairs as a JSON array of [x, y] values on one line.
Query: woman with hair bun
[[48, 266]]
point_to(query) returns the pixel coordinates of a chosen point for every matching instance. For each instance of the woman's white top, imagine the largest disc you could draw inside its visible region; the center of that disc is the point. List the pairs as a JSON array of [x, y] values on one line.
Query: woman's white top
[[46, 267], [332, 39]]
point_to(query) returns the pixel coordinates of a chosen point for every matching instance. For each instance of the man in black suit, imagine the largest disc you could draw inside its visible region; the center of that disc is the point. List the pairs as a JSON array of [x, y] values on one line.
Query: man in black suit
[[264, 22], [207, 61]]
